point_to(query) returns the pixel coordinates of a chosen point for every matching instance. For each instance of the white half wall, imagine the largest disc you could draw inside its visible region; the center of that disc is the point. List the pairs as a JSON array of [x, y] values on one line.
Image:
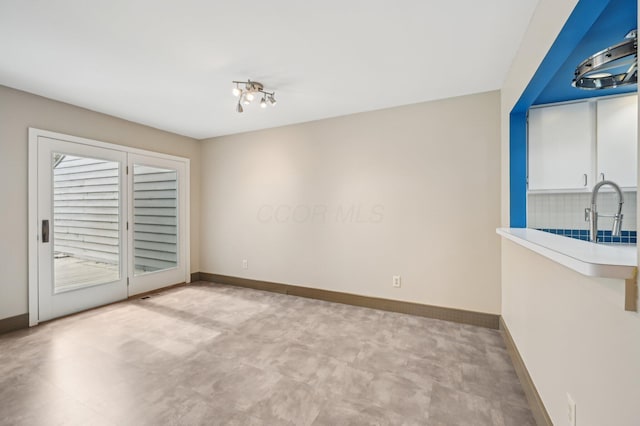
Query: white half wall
[[575, 338], [19, 111], [346, 203]]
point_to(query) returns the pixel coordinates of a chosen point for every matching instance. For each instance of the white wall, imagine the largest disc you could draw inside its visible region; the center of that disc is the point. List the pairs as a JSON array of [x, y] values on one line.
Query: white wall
[[571, 330], [421, 183], [575, 337], [21, 110]]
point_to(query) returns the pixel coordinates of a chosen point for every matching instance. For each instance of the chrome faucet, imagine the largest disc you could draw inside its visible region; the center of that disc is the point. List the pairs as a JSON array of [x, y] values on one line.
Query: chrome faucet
[[591, 214]]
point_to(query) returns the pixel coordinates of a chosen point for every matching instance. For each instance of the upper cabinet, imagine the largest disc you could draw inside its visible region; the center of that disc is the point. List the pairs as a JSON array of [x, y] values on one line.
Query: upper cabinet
[[617, 140], [560, 141], [572, 146]]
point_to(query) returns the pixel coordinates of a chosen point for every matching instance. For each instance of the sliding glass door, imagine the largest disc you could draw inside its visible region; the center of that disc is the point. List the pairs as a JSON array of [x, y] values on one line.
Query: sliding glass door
[[110, 224], [82, 219]]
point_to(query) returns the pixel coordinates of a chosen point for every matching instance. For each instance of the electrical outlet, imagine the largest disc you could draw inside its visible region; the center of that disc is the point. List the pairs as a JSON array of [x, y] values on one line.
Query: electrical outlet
[[396, 281], [571, 411], [245, 264]]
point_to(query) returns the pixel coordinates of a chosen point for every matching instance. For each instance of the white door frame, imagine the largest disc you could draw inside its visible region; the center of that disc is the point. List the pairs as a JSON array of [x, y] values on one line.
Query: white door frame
[[34, 229]]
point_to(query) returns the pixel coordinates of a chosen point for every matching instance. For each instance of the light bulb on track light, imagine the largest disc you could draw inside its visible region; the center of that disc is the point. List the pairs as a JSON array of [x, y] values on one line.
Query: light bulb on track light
[[248, 91]]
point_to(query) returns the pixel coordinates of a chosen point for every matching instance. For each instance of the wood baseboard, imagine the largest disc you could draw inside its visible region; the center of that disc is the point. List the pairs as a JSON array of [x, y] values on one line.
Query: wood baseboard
[[538, 409], [14, 323], [195, 276], [448, 314]]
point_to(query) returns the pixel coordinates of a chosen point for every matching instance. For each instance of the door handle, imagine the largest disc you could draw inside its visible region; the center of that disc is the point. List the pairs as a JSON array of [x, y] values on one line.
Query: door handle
[[585, 179], [45, 231]]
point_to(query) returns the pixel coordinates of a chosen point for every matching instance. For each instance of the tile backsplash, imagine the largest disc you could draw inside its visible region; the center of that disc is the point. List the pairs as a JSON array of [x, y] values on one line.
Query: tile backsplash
[[625, 237], [566, 211]]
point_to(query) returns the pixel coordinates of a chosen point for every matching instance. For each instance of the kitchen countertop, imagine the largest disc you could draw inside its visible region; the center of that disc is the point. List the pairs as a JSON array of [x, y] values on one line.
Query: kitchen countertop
[[585, 257]]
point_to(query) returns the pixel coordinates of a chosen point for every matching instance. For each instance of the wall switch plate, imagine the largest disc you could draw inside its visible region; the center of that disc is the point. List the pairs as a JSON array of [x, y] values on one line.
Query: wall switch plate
[[245, 264], [571, 411], [396, 281]]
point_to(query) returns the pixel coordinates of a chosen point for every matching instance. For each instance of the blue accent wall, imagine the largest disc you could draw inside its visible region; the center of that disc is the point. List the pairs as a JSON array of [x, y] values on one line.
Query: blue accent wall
[[615, 21], [591, 27], [518, 169]]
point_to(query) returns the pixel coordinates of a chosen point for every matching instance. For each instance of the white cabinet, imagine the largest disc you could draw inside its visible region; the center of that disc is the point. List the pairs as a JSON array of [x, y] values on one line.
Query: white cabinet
[[560, 147], [572, 146], [617, 140]]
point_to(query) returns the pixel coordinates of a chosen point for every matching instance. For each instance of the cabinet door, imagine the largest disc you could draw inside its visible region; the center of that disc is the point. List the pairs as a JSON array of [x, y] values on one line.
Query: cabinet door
[[560, 147], [617, 120]]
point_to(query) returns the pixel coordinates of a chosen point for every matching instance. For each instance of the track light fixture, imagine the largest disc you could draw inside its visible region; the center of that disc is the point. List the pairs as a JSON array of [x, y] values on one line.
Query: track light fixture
[[612, 67], [246, 92]]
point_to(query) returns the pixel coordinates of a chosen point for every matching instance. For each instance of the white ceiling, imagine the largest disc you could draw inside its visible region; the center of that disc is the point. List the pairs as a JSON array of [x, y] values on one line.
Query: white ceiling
[[169, 64]]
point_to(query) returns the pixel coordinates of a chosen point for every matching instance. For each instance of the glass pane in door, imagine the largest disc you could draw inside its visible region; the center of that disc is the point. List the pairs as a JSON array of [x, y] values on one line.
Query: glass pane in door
[[155, 201], [86, 221]]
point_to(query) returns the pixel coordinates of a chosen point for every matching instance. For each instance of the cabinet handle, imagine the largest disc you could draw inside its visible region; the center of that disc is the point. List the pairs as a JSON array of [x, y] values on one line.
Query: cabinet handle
[[585, 179], [601, 176]]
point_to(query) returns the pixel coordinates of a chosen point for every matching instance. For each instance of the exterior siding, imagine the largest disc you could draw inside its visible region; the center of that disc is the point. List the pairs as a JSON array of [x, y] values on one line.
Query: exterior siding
[[85, 206], [155, 225], [86, 203]]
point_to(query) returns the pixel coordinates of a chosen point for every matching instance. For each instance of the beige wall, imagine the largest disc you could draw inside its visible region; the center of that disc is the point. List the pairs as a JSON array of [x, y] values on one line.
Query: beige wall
[[571, 330], [18, 112], [346, 203]]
